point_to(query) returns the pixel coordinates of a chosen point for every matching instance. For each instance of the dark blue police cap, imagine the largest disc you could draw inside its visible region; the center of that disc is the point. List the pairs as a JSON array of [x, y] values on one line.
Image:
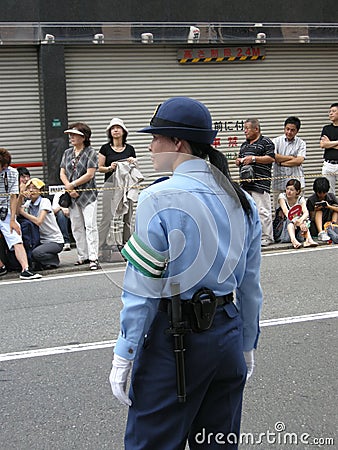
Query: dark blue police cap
[[184, 118]]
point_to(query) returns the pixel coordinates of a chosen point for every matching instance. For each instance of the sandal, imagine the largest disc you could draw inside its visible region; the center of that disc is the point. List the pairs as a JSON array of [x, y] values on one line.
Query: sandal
[[310, 244], [80, 263], [93, 265], [296, 244]]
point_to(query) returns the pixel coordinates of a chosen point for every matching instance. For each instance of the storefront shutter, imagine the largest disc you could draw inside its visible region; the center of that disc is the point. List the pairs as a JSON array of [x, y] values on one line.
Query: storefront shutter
[[20, 123], [128, 82]]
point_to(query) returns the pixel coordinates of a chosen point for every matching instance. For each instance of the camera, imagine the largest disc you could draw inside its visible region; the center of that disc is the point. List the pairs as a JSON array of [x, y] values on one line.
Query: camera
[[247, 172], [322, 203], [3, 213]]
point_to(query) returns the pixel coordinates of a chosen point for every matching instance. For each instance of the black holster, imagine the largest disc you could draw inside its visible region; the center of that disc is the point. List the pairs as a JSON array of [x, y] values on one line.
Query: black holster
[[203, 308]]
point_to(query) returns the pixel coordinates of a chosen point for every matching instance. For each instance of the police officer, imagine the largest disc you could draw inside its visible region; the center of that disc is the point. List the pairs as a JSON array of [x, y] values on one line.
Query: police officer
[[200, 233]]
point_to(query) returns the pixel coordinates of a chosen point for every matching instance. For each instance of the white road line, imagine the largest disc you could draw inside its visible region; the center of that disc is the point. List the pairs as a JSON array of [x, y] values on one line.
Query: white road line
[[107, 344], [289, 251], [56, 350], [122, 269], [297, 319], [63, 276]]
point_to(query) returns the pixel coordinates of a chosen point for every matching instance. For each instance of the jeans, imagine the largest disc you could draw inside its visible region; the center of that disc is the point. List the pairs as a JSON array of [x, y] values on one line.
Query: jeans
[[63, 222]]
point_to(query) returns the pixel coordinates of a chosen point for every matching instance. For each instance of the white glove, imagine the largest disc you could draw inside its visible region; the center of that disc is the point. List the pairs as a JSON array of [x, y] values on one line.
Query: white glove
[[118, 378], [250, 362]]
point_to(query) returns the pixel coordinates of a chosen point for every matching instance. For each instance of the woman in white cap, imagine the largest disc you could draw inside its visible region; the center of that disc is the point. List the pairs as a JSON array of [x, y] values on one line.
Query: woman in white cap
[[77, 173], [197, 240], [110, 154]]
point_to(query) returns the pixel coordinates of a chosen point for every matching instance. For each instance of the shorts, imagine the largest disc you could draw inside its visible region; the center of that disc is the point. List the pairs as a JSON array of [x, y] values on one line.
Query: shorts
[[12, 238]]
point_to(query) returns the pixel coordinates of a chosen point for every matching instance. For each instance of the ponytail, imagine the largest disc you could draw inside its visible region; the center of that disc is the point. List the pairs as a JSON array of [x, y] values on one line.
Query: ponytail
[[219, 160]]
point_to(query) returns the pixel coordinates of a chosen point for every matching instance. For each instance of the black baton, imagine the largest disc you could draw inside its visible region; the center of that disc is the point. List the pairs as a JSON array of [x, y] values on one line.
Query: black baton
[[178, 331]]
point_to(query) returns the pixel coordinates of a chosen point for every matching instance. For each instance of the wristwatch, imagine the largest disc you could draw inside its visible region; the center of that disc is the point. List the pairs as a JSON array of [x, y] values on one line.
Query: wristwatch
[[254, 159]]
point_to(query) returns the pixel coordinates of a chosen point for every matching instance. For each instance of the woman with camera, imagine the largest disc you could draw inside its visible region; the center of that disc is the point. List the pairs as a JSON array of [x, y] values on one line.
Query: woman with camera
[[77, 173]]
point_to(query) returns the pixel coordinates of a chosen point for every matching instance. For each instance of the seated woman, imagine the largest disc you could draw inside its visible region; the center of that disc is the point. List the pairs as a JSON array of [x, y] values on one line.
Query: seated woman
[[295, 230], [39, 211]]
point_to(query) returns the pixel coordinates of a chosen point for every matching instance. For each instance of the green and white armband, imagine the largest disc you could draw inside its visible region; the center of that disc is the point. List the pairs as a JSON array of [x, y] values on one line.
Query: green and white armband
[[149, 262]]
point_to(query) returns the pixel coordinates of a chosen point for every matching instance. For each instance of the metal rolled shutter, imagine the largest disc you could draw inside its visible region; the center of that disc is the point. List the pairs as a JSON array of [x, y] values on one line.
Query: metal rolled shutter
[[128, 82], [20, 123]]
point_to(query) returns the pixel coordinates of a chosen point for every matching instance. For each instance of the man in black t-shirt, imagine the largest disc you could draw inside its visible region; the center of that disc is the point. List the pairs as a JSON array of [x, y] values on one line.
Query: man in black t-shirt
[[329, 141]]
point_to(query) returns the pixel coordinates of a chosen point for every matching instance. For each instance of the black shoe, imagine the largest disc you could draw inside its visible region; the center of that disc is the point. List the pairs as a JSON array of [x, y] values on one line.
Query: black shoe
[[3, 271], [28, 275], [50, 267], [35, 266]]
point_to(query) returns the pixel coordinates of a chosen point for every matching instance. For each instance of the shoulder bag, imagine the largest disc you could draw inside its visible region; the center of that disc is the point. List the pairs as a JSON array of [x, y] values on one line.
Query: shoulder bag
[[65, 199]]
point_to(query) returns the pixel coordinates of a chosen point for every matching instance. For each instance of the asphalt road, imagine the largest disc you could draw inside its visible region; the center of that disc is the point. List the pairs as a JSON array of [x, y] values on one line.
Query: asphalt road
[[56, 337]]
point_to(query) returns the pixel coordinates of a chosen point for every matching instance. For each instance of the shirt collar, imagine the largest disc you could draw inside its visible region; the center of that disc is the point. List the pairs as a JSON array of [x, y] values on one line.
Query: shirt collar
[[192, 165], [37, 201], [287, 140]]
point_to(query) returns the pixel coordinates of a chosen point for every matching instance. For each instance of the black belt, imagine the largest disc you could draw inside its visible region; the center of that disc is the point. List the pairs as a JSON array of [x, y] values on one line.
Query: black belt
[[221, 300], [332, 161]]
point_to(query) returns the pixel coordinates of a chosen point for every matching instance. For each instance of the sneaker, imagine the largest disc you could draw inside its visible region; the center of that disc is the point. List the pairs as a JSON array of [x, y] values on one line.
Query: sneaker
[[66, 247], [93, 265], [265, 243], [3, 270], [28, 275], [323, 236]]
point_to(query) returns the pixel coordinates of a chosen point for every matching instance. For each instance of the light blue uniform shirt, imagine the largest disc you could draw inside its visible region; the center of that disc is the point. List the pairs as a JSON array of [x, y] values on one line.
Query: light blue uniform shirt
[[208, 240]]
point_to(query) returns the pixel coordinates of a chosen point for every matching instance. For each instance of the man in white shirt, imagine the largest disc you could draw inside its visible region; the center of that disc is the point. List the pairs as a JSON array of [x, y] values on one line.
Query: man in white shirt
[[290, 152]]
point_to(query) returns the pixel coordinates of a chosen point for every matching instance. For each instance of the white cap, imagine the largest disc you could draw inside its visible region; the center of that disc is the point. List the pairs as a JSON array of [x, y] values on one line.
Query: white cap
[[74, 131], [116, 121]]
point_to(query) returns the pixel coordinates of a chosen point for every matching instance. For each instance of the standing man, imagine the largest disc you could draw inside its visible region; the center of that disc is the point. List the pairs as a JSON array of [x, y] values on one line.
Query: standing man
[[329, 141], [9, 227], [197, 240], [258, 152], [290, 153]]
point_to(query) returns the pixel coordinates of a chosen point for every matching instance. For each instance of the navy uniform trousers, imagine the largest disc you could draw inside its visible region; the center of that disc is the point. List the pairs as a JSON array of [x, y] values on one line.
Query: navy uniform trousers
[[215, 377]]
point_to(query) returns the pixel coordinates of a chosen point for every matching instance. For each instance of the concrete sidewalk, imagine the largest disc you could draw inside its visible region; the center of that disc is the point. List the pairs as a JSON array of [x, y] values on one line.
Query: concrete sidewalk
[[69, 258]]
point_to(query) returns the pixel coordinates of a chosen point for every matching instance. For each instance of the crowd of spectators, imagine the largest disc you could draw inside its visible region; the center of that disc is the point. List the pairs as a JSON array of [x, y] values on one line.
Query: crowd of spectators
[[264, 163], [35, 227]]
